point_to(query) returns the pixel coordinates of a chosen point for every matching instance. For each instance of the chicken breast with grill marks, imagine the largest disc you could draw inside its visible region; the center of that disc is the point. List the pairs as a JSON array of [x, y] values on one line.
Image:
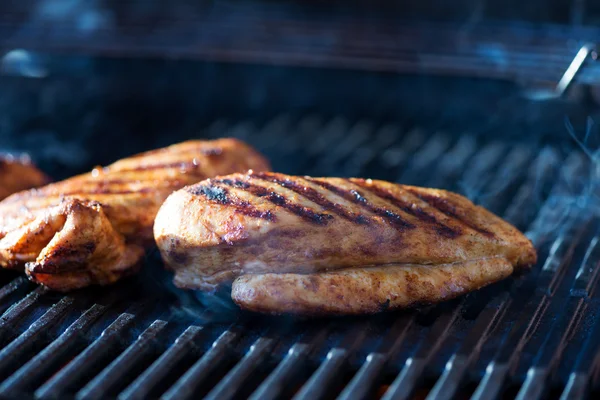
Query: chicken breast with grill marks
[[17, 173], [92, 228], [297, 244]]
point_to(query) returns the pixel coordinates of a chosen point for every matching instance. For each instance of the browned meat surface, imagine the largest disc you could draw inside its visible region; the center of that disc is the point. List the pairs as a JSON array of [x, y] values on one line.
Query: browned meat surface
[[17, 173], [365, 290], [307, 242], [91, 229]]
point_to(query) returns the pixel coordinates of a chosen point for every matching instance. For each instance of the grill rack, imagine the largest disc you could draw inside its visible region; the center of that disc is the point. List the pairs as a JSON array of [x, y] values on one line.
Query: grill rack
[[532, 335]]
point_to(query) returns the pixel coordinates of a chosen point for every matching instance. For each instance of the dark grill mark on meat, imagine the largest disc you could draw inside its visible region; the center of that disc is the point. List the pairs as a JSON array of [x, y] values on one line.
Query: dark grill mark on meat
[[178, 257], [446, 207], [90, 247], [211, 192], [238, 183], [220, 195], [411, 209], [279, 200], [356, 197], [315, 197]]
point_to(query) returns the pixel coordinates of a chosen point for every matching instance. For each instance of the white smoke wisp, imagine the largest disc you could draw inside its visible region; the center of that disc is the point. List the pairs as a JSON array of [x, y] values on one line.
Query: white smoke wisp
[[575, 197]]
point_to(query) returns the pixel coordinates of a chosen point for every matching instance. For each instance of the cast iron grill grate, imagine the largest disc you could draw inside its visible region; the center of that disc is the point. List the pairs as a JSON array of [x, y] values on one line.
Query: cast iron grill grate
[[533, 335]]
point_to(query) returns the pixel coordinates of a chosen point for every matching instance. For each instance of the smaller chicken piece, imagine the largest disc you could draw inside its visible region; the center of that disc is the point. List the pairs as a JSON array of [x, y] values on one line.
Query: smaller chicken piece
[[93, 228], [18, 173]]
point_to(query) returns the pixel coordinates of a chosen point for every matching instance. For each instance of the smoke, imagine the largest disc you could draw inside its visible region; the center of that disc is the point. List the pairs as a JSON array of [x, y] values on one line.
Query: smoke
[[189, 305], [575, 197]]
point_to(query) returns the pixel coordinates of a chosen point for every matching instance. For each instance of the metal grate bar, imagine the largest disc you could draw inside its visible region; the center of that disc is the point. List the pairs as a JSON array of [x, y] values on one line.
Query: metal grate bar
[[48, 360], [525, 204], [370, 372], [395, 156], [188, 384], [331, 133], [355, 137], [85, 364], [323, 378], [406, 382], [587, 275], [15, 285], [146, 384], [13, 354], [237, 378], [17, 311], [452, 165], [585, 290], [511, 348], [563, 318], [474, 180], [420, 164], [108, 381], [507, 177], [296, 358], [588, 361], [456, 367]]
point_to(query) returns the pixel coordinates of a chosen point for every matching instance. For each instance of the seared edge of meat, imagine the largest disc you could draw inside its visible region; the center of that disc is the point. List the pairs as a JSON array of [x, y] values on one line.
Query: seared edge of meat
[[365, 290], [71, 246]]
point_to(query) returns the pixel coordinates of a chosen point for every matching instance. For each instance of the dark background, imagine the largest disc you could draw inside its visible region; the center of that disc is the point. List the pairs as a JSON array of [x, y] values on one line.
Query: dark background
[[87, 82]]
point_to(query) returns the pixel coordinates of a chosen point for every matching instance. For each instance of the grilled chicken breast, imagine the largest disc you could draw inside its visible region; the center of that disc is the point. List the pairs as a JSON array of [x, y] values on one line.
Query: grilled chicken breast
[[92, 228], [332, 245], [17, 173]]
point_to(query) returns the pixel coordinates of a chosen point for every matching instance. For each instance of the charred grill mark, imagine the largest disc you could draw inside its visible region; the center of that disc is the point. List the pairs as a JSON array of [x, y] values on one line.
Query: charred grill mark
[[212, 193], [357, 198], [279, 200], [446, 207], [220, 195], [315, 197], [235, 183], [411, 209]]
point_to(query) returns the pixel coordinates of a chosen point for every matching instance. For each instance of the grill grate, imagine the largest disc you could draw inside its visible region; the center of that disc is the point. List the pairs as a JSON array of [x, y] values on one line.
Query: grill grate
[[530, 336]]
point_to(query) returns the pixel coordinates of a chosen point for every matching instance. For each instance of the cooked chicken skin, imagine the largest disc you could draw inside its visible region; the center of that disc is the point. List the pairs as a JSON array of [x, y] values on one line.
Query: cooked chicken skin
[[365, 290], [92, 228], [277, 232], [17, 173]]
